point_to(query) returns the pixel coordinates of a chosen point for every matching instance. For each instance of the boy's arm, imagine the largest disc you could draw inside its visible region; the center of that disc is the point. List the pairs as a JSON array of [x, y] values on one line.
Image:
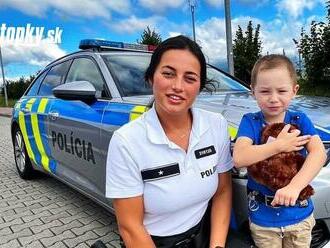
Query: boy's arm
[[314, 161], [246, 154]]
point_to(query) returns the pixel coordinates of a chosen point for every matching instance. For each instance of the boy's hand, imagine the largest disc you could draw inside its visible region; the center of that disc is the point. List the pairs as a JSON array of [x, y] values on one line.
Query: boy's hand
[[291, 141], [287, 196]]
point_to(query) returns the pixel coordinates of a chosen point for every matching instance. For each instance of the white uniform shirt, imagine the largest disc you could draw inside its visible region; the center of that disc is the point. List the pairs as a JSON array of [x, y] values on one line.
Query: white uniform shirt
[[176, 185]]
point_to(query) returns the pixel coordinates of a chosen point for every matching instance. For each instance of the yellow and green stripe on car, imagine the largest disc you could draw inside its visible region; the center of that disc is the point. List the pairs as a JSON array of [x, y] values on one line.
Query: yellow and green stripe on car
[[32, 125]]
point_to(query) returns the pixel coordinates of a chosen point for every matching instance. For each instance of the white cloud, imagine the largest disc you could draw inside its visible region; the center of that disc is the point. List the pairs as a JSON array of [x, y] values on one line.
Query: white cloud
[[134, 24], [215, 3], [161, 5], [211, 36], [275, 36], [220, 3], [316, 18], [31, 54], [79, 8], [8, 79], [253, 2], [160, 24], [173, 34], [295, 8], [122, 6]]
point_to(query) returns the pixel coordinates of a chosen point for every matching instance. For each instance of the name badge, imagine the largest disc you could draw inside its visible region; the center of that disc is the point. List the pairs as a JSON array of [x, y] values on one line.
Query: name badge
[[164, 171], [206, 151]]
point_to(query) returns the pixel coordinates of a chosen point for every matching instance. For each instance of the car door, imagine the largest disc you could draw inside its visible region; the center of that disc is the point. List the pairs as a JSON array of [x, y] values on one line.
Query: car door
[[75, 130], [32, 122], [33, 117]]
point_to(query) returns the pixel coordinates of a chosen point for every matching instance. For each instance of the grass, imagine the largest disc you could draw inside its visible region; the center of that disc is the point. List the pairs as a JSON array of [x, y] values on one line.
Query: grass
[[11, 102]]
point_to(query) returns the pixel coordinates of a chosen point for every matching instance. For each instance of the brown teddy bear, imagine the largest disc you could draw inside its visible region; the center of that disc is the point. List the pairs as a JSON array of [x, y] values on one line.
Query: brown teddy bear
[[277, 171]]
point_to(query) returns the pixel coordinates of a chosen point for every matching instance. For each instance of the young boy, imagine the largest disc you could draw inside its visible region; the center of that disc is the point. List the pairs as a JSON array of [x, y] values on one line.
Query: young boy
[[278, 219]]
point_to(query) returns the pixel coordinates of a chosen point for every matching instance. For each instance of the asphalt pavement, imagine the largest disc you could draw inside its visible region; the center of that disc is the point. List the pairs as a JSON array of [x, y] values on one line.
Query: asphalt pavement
[[44, 212]]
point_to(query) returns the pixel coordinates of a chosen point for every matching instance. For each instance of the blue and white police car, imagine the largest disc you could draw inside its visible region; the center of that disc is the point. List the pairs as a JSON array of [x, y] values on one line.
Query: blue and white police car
[[63, 123]]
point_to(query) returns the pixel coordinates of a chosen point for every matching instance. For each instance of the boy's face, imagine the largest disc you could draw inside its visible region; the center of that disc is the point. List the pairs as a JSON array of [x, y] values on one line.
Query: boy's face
[[274, 90]]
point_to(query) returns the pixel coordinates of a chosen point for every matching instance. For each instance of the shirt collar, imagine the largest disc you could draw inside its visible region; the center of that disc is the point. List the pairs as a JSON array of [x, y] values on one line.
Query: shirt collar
[[156, 133], [287, 118]]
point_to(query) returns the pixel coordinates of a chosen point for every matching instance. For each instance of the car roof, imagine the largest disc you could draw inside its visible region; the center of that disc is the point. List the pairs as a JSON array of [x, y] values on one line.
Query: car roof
[[102, 50]]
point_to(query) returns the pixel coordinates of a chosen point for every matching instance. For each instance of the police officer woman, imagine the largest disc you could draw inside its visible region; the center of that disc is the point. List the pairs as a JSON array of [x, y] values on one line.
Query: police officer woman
[[164, 168]]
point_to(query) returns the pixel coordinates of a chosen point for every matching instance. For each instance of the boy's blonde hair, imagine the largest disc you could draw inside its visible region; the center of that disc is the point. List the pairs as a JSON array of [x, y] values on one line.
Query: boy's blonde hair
[[273, 61]]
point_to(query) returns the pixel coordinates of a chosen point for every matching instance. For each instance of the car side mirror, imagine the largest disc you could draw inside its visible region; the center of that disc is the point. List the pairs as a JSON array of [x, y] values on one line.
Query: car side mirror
[[77, 90]]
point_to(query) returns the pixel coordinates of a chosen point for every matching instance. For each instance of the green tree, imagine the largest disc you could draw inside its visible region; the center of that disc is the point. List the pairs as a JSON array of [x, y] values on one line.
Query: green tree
[[314, 48], [247, 49], [149, 37], [16, 88]]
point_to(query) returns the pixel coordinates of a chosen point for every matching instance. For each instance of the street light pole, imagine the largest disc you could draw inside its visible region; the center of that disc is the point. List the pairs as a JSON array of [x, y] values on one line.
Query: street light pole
[[192, 8], [230, 59], [3, 79]]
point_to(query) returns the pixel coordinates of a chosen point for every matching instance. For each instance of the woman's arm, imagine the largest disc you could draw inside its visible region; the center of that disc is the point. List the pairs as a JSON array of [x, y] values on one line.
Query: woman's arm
[[314, 161], [129, 214], [246, 154], [221, 209]]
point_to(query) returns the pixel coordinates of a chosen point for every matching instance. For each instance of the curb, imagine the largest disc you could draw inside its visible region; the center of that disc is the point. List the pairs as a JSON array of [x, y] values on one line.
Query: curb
[[6, 112]]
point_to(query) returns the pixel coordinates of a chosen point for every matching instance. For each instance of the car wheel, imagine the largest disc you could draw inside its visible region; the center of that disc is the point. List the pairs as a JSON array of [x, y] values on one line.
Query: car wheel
[[22, 160]]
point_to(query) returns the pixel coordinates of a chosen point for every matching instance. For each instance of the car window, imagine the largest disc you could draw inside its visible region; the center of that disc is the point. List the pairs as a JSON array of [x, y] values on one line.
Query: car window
[[128, 73], [222, 82], [33, 90], [84, 69], [54, 78]]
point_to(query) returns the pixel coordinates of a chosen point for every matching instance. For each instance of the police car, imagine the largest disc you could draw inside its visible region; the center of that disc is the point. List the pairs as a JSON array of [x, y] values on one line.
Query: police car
[[63, 123]]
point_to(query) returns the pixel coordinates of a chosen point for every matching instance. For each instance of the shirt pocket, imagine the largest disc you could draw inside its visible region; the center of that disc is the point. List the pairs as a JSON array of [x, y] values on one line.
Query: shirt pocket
[[206, 161]]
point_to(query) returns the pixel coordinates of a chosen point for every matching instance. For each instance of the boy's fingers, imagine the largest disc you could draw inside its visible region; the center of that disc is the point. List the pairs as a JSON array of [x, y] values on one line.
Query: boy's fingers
[[276, 200], [286, 128], [296, 132], [305, 138], [292, 202], [273, 203], [302, 140]]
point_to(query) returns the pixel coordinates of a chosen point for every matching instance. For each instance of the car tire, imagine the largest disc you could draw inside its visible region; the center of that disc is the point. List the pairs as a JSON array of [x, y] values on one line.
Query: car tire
[[22, 160]]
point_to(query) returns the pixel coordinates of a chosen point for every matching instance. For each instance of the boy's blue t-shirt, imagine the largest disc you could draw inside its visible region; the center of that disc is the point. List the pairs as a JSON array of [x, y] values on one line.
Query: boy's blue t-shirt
[[251, 126]]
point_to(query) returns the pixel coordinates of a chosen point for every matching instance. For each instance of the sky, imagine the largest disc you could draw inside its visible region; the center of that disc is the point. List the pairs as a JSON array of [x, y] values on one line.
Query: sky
[[35, 32]]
